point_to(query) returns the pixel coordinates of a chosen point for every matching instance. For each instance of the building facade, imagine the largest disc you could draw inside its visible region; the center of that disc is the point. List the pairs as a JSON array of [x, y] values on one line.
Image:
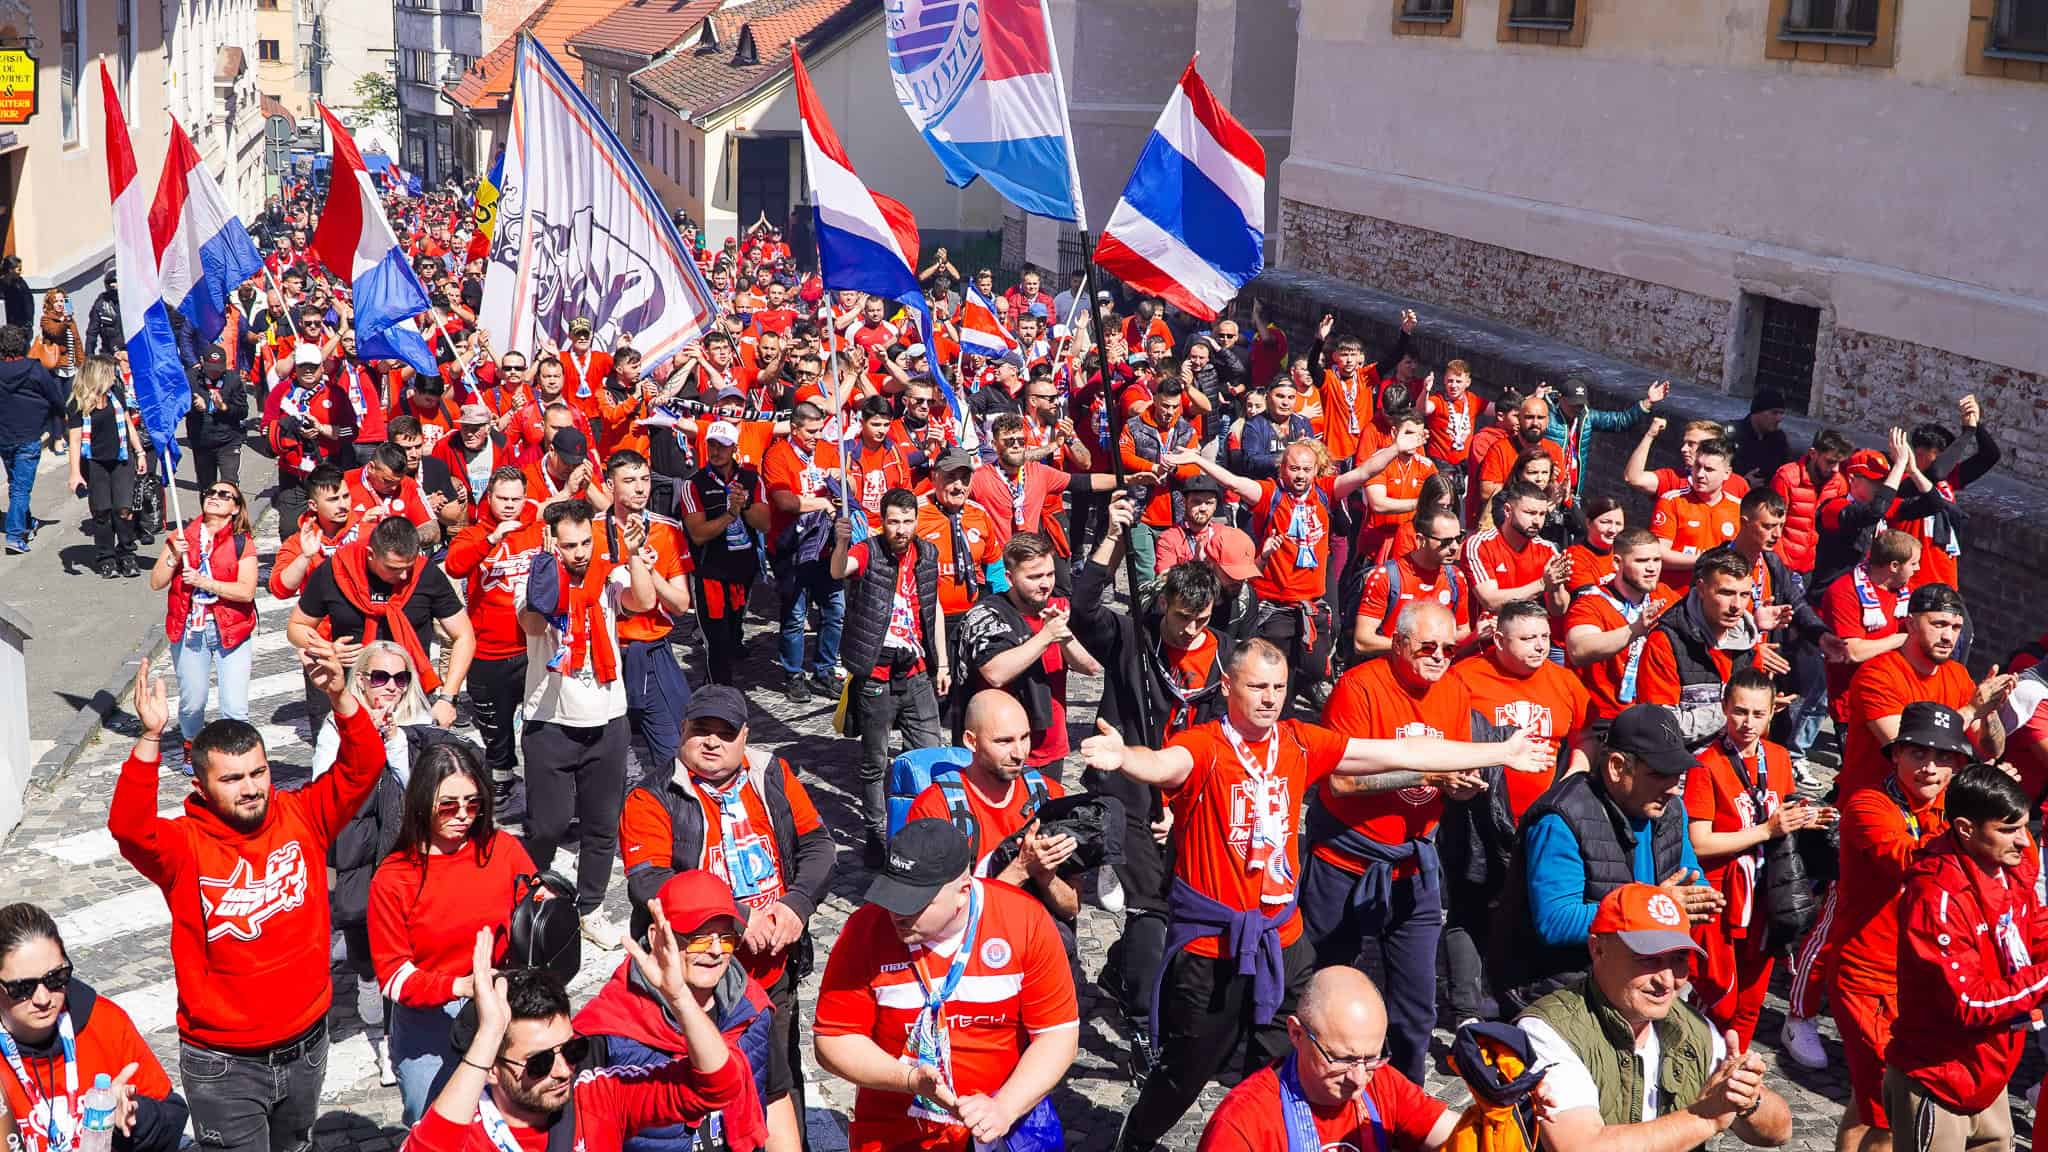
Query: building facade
[[1835, 200], [357, 40], [211, 88], [287, 53], [437, 41]]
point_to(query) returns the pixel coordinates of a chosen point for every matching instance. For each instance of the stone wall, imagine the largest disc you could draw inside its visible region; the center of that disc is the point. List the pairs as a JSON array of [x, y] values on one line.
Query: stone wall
[[2007, 543], [1863, 380]]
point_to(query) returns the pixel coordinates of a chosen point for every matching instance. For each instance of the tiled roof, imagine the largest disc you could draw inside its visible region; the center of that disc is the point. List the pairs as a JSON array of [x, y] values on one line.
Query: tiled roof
[[488, 83], [699, 81], [646, 28]]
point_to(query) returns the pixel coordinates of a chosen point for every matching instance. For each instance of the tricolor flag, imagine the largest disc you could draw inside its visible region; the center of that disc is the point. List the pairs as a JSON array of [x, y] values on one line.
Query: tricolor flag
[[1191, 226], [981, 330], [354, 240], [982, 82], [161, 390], [203, 251], [483, 212]]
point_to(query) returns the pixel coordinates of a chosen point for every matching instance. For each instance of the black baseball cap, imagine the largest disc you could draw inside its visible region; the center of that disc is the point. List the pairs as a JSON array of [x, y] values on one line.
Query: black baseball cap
[[1573, 392], [570, 442], [1935, 598], [1650, 733], [924, 856], [1931, 725], [215, 356], [717, 702]]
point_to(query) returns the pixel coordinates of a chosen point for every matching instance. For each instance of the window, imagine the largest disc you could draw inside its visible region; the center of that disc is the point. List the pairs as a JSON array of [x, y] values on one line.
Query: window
[[267, 50], [1428, 18], [639, 120], [416, 65], [1832, 31], [1779, 338], [124, 50], [2009, 39], [70, 64], [612, 103], [693, 163], [1542, 22]]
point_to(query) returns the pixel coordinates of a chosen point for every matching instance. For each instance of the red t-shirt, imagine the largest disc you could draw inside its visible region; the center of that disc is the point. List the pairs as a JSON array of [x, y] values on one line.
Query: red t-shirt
[[367, 507], [1690, 525], [784, 469], [1717, 796], [1491, 559], [1370, 701], [1016, 986], [1588, 567], [671, 560], [1446, 587], [1883, 687], [424, 915], [1299, 569], [1451, 425], [1549, 704], [1250, 1119], [1218, 808], [995, 820], [1671, 480], [1040, 488], [1848, 614], [872, 472]]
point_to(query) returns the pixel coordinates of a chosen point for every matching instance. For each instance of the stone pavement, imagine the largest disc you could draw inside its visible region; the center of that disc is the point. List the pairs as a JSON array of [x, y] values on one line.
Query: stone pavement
[[116, 926]]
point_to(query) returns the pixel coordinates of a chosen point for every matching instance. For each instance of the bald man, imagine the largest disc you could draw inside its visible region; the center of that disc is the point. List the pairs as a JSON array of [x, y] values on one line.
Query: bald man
[[1339, 1068], [986, 802]]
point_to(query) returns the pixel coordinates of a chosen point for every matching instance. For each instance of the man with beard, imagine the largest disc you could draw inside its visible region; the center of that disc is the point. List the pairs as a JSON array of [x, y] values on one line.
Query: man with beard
[[445, 496], [1531, 420], [1428, 572], [1511, 560], [574, 742], [521, 1076], [244, 877], [926, 425], [1024, 496], [740, 815], [1711, 635], [725, 515], [494, 554], [1924, 668], [1609, 624]]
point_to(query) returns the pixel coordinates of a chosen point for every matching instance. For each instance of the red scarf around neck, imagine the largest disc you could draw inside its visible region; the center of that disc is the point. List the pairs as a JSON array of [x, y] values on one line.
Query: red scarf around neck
[[352, 580], [582, 602]]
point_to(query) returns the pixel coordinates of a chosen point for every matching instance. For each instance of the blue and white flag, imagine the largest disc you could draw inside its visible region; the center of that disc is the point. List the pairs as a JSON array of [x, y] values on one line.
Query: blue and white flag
[[204, 251], [355, 240]]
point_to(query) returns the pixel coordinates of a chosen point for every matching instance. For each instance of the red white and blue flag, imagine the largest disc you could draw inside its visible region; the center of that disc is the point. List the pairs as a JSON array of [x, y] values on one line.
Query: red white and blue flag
[[203, 251], [981, 330], [161, 390], [981, 81], [355, 240], [1191, 226]]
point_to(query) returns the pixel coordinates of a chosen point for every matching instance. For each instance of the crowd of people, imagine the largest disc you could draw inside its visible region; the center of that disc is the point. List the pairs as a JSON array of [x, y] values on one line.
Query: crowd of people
[[1415, 733]]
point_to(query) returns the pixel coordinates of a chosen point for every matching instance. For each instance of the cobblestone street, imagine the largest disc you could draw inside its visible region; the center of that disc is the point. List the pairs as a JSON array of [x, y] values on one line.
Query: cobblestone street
[[116, 924]]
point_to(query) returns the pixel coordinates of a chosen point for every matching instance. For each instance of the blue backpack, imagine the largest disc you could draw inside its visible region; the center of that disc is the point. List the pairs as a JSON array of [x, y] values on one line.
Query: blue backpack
[[914, 771]]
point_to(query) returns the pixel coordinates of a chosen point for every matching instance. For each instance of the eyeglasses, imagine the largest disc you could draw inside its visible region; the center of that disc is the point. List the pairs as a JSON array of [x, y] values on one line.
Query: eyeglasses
[[223, 494], [379, 678], [1346, 1063], [725, 943], [1010, 442], [1445, 541], [54, 980], [537, 1065], [1429, 649], [459, 806]]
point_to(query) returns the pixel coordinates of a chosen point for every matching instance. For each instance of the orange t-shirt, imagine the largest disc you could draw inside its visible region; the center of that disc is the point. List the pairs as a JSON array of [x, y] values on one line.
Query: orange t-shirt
[[755, 438], [872, 472], [1299, 569], [1347, 410], [1219, 807], [1371, 701], [1446, 587], [1604, 680], [1657, 678], [583, 380], [1883, 687], [1879, 844], [1690, 525], [1451, 425], [1588, 567], [1500, 459], [671, 559], [784, 469], [994, 820], [1549, 704], [1402, 480], [979, 529], [1671, 480]]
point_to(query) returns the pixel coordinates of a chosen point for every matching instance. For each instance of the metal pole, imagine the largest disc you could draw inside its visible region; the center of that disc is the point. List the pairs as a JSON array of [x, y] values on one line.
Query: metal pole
[[1111, 395]]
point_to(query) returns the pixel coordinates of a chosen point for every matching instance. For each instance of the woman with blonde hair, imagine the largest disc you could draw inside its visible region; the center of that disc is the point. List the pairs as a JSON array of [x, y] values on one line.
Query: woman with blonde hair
[[107, 454], [210, 570]]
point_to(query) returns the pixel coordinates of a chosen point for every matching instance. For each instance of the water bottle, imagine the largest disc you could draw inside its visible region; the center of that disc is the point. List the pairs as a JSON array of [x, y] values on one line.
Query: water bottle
[[96, 1125]]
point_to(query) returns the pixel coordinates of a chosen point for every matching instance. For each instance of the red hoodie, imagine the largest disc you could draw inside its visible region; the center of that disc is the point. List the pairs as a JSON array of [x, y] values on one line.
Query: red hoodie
[[249, 920], [497, 577], [1959, 993], [611, 1104]]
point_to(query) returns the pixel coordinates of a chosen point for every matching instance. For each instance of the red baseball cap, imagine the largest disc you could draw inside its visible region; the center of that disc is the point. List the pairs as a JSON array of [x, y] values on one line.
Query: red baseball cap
[[1868, 463], [1232, 553], [1646, 919], [692, 899]]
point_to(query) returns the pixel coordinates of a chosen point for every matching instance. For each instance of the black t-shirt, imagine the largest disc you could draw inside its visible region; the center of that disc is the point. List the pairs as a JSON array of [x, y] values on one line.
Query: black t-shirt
[[435, 476], [104, 440], [433, 600]]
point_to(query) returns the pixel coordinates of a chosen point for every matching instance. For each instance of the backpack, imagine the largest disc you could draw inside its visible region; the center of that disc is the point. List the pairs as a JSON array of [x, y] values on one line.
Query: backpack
[[920, 768], [544, 931], [954, 790]]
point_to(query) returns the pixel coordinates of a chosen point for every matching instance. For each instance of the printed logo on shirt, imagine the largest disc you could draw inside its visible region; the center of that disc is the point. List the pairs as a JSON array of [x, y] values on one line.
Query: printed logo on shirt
[[995, 952], [1422, 793], [238, 905], [1527, 715], [1244, 797], [1728, 529]]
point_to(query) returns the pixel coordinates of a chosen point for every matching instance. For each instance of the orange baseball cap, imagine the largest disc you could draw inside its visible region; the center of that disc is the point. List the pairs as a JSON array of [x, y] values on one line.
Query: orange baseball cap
[[1233, 554], [1645, 918], [1868, 463]]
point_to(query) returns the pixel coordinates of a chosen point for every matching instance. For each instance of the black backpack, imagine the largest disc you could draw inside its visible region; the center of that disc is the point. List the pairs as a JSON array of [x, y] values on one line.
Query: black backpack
[[545, 932]]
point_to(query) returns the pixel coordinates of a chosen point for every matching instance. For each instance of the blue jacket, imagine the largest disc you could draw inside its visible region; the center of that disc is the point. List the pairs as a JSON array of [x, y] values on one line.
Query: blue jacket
[[1592, 420], [638, 1032], [1259, 445], [1557, 877]]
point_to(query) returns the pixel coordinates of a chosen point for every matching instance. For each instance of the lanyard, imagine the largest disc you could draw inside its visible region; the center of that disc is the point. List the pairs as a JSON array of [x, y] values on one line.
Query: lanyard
[[57, 1140], [495, 1125], [927, 1044], [1629, 612], [1017, 500]]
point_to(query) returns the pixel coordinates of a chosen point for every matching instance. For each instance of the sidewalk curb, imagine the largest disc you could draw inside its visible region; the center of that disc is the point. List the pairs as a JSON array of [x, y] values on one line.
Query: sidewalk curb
[[72, 742]]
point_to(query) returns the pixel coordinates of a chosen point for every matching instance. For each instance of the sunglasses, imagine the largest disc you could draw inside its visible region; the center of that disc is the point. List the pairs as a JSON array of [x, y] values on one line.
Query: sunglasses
[[724, 943], [54, 980], [223, 494], [459, 806], [1430, 648], [1441, 541], [537, 1065], [1347, 1063], [379, 678]]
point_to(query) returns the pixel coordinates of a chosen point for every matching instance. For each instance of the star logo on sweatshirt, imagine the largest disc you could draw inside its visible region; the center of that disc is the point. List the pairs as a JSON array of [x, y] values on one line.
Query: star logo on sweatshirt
[[238, 905]]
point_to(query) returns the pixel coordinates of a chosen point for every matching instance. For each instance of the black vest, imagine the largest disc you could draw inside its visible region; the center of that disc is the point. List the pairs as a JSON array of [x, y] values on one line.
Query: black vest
[[679, 798], [870, 596], [1525, 967], [715, 558]]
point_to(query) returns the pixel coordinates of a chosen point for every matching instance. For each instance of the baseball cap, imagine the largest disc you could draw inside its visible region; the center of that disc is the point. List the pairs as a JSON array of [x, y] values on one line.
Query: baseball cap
[[1232, 553], [717, 702], [723, 432], [307, 354], [953, 459], [1767, 400], [1573, 392], [1935, 598], [475, 414], [1650, 733], [1644, 918], [914, 351], [215, 357], [1104, 296], [570, 442], [1868, 463], [1931, 725], [690, 900], [579, 327], [924, 856], [728, 393]]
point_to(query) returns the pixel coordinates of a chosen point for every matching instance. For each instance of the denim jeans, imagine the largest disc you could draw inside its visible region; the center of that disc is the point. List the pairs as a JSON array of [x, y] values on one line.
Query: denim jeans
[[813, 582], [907, 702], [200, 662], [19, 461], [419, 1053], [243, 1103]]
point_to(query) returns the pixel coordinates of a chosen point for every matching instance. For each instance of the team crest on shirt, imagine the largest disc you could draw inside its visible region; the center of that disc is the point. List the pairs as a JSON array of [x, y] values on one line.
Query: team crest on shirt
[[995, 952], [1443, 595], [1422, 793], [1244, 796], [1727, 529], [238, 905], [1526, 715]]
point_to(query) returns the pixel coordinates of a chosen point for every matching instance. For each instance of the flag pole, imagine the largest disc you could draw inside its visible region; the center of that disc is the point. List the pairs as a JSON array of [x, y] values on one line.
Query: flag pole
[[1111, 395], [171, 490]]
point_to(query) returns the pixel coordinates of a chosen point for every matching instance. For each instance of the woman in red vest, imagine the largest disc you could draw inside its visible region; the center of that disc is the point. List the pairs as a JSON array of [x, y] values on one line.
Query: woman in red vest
[[210, 569]]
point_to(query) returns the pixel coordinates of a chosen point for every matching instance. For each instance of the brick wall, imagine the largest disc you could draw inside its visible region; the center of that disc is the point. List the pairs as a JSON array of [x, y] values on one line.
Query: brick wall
[[1677, 333], [1861, 379]]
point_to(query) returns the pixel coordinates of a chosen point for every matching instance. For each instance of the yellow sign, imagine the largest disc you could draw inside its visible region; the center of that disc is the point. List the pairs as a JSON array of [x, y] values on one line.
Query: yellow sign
[[17, 86]]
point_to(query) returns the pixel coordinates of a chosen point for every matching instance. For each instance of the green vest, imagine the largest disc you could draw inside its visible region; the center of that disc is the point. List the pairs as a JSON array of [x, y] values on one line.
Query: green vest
[[1605, 1043]]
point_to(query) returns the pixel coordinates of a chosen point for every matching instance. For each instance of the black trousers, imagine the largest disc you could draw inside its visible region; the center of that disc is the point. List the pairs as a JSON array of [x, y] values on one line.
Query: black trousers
[[495, 689], [1468, 930], [579, 772], [1206, 1033], [1139, 951], [721, 607], [906, 701], [223, 463], [110, 493]]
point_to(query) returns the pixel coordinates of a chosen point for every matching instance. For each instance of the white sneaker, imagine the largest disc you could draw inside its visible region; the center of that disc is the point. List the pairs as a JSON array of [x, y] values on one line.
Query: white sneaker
[[1109, 891], [386, 1074], [369, 1003], [599, 930], [1801, 1040], [1807, 777]]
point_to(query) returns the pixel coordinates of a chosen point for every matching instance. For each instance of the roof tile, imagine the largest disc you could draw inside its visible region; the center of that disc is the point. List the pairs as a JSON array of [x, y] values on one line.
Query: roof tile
[[701, 81], [488, 83], [646, 28]]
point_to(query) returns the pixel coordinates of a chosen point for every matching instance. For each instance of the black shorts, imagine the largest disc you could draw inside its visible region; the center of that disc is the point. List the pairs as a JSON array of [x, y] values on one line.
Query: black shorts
[[782, 1040]]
